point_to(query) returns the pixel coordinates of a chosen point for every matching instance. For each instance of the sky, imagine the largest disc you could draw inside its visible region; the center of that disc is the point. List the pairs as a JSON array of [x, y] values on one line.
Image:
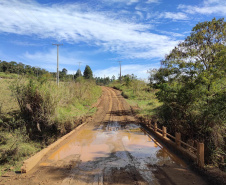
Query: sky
[[99, 33]]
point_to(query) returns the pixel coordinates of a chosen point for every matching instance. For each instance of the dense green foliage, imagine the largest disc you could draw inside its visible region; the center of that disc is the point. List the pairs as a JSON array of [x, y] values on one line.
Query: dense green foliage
[[88, 74], [192, 86], [78, 74], [103, 81], [20, 68]]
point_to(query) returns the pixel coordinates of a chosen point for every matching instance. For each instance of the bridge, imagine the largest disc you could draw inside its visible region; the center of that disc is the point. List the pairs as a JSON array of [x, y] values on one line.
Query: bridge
[[113, 147]]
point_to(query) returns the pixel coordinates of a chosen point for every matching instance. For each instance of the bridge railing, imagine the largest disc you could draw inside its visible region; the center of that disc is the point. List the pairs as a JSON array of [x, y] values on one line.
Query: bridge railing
[[198, 152]]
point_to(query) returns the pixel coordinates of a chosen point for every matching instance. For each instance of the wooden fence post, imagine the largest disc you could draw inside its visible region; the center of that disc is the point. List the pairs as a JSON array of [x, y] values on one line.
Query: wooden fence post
[[178, 139], [200, 154], [155, 127], [164, 131]]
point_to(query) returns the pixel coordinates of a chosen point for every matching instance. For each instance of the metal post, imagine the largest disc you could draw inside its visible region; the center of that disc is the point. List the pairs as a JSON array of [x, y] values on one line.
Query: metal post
[[120, 72]]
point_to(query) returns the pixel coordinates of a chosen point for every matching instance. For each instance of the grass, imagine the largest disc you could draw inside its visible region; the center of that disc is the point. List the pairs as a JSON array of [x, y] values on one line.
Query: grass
[[76, 101], [14, 145], [8, 103], [139, 95], [14, 149], [73, 101], [8, 75]]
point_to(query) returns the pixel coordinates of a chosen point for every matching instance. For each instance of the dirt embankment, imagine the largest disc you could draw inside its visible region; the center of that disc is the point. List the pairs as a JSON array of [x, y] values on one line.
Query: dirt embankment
[[109, 149]]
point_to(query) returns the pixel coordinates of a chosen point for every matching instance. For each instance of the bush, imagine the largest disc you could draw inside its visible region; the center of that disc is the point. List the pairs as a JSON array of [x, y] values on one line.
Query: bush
[[37, 105], [49, 110]]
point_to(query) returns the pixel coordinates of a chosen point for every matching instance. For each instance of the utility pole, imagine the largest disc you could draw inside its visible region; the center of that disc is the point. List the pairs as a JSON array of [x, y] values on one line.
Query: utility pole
[[79, 67], [120, 72], [57, 76]]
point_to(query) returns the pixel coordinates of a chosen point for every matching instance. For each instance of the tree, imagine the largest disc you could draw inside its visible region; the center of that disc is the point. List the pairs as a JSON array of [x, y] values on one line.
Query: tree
[[20, 68], [28, 70], [63, 73], [4, 66], [78, 74], [113, 78], [192, 84], [88, 74]]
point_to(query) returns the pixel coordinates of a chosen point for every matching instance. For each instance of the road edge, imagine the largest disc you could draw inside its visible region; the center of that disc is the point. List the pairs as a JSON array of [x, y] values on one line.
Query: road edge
[[30, 163]]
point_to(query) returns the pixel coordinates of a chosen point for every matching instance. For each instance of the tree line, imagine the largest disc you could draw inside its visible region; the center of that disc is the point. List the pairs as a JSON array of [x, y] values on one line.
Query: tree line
[[20, 68], [63, 75]]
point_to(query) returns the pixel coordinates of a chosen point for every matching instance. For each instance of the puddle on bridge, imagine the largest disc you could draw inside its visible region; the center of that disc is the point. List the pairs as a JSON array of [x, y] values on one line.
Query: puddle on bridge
[[115, 138]]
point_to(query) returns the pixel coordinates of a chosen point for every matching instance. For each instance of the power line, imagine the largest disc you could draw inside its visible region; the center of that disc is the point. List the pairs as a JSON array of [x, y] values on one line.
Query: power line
[[57, 77]]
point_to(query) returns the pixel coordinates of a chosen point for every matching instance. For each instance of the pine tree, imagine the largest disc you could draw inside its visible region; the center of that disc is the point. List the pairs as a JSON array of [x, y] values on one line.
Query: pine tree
[[78, 74], [88, 74]]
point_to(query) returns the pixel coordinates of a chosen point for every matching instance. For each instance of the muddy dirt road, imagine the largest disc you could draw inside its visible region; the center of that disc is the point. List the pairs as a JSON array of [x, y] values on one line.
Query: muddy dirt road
[[110, 149]]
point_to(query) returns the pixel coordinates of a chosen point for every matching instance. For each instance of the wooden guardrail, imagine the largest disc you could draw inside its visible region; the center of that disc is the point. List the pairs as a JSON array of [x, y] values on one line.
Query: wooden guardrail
[[199, 151]]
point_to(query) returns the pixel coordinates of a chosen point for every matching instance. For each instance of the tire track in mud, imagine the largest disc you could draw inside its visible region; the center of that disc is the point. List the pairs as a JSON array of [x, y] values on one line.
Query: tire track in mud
[[131, 166], [94, 177], [98, 176]]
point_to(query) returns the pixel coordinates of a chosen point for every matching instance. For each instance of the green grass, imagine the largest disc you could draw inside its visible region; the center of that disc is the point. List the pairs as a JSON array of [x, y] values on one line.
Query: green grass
[[76, 101], [8, 75], [8, 103], [15, 147], [73, 101], [147, 107]]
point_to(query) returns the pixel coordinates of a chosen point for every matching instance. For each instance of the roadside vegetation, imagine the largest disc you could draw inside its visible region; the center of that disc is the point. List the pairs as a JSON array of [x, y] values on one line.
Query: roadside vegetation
[[192, 87], [138, 94], [188, 93], [34, 112]]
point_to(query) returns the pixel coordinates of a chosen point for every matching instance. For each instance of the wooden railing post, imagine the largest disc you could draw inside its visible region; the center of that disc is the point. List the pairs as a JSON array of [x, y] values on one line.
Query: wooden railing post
[[200, 154], [178, 139], [164, 131], [155, 127]]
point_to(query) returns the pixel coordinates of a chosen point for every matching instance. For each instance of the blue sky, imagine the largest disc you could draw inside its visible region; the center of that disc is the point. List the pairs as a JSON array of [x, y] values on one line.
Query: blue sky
[[99, 33]]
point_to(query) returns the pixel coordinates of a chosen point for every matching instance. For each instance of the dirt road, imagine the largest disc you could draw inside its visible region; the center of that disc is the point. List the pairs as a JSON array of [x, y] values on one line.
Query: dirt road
[[110, 149]]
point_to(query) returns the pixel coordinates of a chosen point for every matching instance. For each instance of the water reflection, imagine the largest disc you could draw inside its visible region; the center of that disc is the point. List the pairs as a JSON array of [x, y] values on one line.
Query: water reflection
[[115, 137], [113, 126]]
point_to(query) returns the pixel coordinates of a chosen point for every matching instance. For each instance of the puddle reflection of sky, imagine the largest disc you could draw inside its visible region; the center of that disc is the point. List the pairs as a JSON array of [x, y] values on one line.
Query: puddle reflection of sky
[[91, 144]]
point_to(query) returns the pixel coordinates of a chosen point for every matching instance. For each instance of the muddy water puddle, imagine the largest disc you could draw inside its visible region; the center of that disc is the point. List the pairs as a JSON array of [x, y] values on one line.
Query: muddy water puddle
[[114, 138], [112, 146]]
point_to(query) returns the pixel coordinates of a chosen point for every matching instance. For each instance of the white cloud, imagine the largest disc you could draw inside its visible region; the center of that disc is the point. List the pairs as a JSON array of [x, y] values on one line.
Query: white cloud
[[48, 59], [208, 7], [138, 70], [69, 23], [24, 43], [128, 2], [173, 34], [152, 1], [174, 16]]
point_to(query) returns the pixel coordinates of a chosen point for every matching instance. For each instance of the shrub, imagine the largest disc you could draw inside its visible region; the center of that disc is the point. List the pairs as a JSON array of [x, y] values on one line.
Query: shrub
[[49, 110], [37, 106]]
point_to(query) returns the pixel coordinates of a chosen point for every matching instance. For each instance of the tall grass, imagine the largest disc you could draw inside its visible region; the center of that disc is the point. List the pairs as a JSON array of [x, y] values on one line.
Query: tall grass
[[49, 110], [37, 113], [8, 75]]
